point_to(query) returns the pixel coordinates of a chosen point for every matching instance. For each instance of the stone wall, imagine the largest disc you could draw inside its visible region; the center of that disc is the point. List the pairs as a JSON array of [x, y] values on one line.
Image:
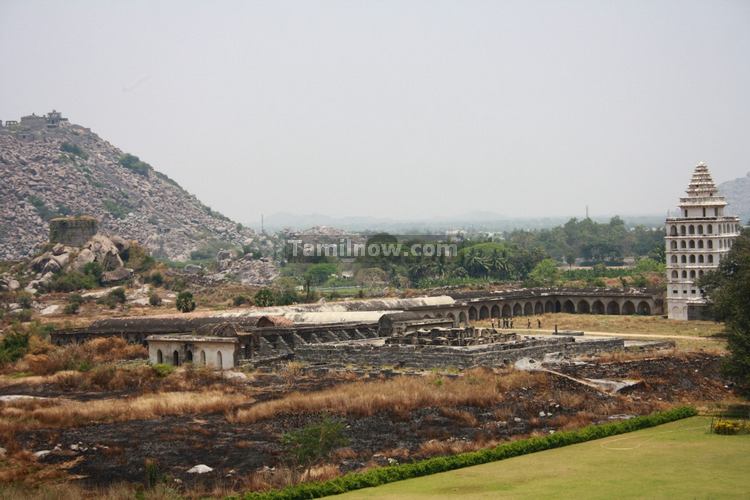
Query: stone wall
[[72, 231], [426, 357]]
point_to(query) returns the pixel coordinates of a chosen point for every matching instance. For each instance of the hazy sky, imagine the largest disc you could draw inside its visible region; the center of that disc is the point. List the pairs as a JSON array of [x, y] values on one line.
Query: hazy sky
[[405, 109]]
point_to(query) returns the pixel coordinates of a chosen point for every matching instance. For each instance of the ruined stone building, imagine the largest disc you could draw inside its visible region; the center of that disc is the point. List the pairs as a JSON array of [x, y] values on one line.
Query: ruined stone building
[[696, 241]]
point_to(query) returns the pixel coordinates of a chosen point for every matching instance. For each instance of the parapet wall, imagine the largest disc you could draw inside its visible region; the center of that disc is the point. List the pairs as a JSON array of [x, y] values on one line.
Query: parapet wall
[[426, 357], [72, 231]]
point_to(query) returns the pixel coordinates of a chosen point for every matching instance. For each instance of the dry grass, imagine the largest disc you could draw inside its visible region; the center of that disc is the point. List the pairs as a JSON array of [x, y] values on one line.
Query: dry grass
[[45, 360], [24, 415], [479, 388], [435, 447], [655, 325]]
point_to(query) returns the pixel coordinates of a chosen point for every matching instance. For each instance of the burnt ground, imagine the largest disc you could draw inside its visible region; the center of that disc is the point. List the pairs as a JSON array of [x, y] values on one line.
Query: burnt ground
[[114, 452]]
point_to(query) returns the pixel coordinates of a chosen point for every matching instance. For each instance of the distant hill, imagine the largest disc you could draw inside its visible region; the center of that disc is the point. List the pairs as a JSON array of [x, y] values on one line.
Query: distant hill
[[737, 193], [50, 167]]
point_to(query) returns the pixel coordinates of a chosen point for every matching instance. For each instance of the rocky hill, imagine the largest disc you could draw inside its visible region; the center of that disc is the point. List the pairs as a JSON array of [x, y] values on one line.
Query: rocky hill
[[737, 193], [51, 167]]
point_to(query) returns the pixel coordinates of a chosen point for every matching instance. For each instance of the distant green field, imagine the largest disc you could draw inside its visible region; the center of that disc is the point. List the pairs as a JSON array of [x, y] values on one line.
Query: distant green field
[[676, 460]]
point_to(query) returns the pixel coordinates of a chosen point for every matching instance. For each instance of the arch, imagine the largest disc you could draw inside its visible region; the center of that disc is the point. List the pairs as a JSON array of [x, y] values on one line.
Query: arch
[[472, 313], [549, 306], [439, 315], [628, 307], [710, 244], [710, 229], [495, 311], [675, 274], [692, 243], [203, 358], [700, 273], [644, 308], [569, 307], [159, 356], [700, 259], [700, 228], [558, 306], [673, 231], [484, 312], [691, 229], [684, 274], [189, 356], [682, 230], [219, 361], [700, 243], [673, 245], [539, 308], [507, 312], [583, 307], [517, 310], [176, 358], [613, 307], [451, 316], [683, 259], [597, 307], [692, 274], [528, 309], [710, 259], [683, 244], [674, 259], [692, 259], [462, 318]]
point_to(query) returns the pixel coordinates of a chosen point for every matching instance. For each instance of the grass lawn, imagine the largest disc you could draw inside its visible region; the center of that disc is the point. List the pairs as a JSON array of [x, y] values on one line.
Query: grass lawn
[[676, 460]]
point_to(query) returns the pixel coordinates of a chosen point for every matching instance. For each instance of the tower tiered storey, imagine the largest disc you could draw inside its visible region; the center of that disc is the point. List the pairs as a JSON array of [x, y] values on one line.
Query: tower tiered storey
[[696, 241]]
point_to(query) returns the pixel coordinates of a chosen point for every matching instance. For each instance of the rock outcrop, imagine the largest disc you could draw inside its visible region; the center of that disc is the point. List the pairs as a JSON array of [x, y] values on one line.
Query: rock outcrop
[[68, 169]]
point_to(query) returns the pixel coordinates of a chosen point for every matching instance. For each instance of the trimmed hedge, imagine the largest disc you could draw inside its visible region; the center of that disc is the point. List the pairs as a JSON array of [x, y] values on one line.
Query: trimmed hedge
[[383, 475]]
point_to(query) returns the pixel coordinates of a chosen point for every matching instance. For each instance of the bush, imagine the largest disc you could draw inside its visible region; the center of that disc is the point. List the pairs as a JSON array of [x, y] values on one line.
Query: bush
[[13, 346], [113, 298], [134, 164], [238, 300], [162, 370], [264, 298], [72, 281], [139, 258], [93, 269], [24, 300], [730, 427], [155, 278], [185, 302], [74, 304], [154, 299], [74, 149], [383, 475]]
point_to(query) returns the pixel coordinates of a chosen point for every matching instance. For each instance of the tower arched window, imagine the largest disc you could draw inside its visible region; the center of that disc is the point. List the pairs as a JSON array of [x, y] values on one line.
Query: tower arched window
[[675, 274], [710, 229], [683, 244], [700, 228], [683, 259], [682, 230], [692, 243], [692, 259], [674, 259], [700, 243], [673, 231], [684, 274], [710, 244], [710, 259], [700, 259], [691, 229]]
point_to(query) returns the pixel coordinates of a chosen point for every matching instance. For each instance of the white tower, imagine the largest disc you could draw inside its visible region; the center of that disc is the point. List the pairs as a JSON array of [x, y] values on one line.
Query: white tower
[[696, 242]]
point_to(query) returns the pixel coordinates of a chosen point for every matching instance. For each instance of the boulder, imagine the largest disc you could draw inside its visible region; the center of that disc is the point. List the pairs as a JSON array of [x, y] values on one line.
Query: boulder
[[121, 243], [62, 259], [223, 255], [8, 284], [116, 276], [193, 269], [51, 266], [105, 252], [199, 469], [58, 249], [51, 309], [38, 263], [84, 257]]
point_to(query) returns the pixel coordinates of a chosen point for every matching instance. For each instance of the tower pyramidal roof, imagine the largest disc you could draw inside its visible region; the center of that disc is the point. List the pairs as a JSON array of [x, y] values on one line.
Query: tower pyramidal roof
[[702, 191], [701, 184]]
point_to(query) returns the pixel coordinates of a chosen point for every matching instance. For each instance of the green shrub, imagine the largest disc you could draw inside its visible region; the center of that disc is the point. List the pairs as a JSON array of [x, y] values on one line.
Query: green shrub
[[74, 304], [72, 281], [113, 298], [383, 475], [74, 149], [24, 315], [154, 299], [25, 300], [238, 300], [115, 209], [95, 270], [155, 278], [163, 370], [185, 302], [264, 298], [134, 164], [13, 346]]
